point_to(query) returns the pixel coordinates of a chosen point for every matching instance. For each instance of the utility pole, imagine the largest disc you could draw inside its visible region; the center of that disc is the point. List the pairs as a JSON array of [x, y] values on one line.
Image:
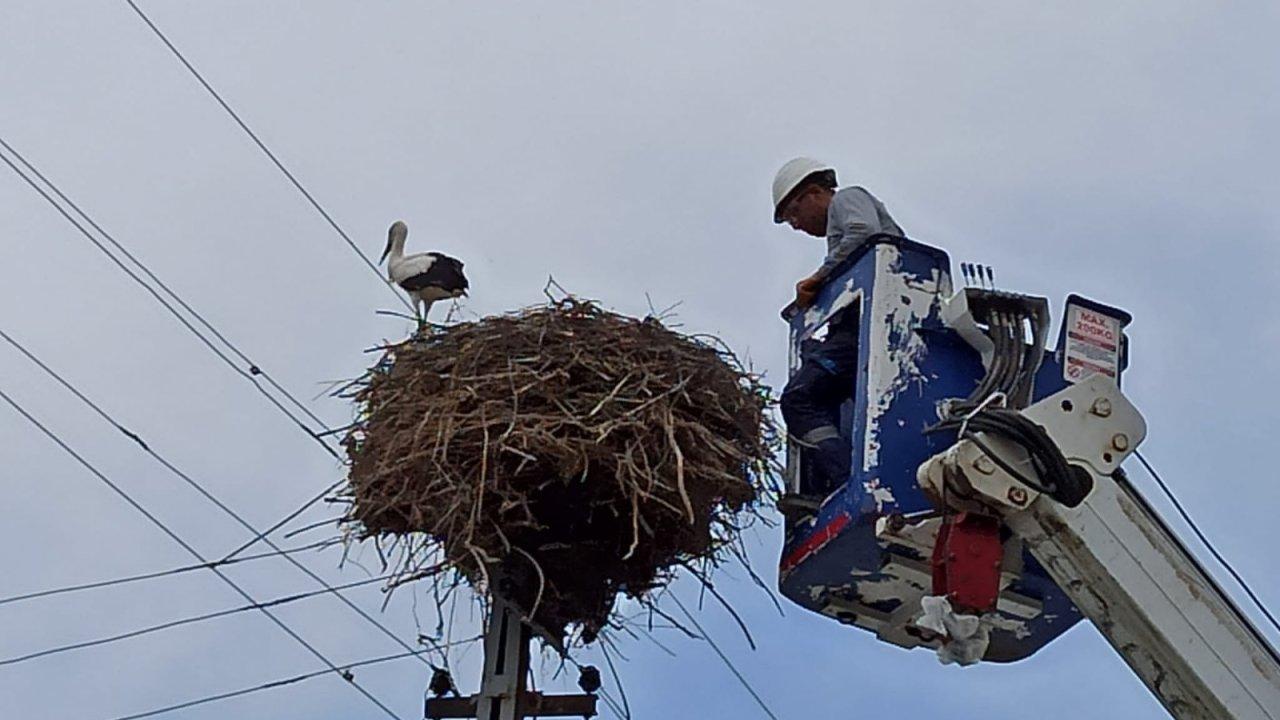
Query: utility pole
[[503, 694]]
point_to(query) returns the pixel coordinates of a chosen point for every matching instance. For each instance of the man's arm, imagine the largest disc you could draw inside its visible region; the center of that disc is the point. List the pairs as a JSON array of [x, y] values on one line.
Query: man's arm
[[853, 219]]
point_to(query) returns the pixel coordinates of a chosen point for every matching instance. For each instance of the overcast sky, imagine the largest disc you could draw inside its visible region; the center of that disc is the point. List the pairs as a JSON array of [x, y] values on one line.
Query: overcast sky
[[1125, 151]]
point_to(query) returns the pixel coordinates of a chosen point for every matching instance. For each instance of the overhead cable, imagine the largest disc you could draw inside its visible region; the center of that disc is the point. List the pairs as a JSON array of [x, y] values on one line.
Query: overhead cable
[[251, 373], [249, 365], [1208, 545], [187, 546], [188, 621], [198, 487], [285, 681], [262, 535], [723, 658], [266, 151], [158, 574]]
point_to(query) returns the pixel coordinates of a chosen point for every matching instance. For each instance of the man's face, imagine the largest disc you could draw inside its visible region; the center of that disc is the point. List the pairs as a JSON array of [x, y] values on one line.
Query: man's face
[[807, 211]]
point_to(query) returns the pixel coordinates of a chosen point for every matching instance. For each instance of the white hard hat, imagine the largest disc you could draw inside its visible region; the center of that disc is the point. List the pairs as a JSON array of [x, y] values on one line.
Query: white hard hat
[[792, 174]]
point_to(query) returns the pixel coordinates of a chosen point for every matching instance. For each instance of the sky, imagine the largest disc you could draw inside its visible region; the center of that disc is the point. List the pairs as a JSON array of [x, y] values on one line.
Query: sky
[[1124, 151]]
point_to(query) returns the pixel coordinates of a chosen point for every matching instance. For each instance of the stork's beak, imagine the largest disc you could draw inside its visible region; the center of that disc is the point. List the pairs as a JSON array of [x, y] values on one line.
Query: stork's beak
[[398, 231]]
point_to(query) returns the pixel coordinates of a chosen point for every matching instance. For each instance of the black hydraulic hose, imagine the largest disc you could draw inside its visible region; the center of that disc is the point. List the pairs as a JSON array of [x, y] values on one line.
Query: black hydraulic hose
[[1005, 465], [1013, 351], [1034, 359], [1011, 370], [987, 385], [1046, 457]]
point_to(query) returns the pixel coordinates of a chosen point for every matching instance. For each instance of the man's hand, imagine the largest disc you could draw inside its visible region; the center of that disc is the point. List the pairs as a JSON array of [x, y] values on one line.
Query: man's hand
[[807, 290]]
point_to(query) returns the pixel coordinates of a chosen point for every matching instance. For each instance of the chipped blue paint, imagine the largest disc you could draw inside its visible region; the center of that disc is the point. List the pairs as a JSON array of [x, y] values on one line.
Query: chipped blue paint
[[908, 362]]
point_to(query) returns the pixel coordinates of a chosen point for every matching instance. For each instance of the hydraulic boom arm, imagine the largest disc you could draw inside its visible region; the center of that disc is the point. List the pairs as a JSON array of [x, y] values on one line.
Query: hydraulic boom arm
[[1122, 566]]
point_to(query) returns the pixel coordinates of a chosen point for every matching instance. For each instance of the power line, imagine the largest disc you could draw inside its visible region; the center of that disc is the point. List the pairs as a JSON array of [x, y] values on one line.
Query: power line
[[253, 370], [282, 521], [724, 658], [185, 545], [1204, 540], [187, 621], [158, 574], [251, 366], [251, 374], [198, 487], [285, 681], [266, 151], [626, 706]]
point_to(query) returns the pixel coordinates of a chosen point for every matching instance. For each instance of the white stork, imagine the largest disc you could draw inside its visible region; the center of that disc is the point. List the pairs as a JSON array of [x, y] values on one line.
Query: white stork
[[426, 277]]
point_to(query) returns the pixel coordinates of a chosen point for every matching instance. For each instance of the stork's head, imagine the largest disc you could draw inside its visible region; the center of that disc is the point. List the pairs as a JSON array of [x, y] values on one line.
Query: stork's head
[[397, 234]]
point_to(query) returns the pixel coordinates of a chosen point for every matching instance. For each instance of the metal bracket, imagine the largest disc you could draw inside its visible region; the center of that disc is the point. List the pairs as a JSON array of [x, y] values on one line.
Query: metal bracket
[[1093, 423], [502, 693]]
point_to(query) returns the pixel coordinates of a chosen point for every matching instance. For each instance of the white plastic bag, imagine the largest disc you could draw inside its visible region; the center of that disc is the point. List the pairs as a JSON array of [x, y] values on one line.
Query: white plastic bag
[[964, 637]]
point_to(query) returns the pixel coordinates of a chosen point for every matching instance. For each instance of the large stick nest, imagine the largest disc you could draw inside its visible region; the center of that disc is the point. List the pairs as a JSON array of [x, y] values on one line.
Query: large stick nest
[[559, 455]]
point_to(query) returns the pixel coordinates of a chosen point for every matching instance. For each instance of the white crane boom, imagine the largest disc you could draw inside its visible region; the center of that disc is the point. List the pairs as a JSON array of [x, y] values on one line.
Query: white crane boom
[[1124, 568]]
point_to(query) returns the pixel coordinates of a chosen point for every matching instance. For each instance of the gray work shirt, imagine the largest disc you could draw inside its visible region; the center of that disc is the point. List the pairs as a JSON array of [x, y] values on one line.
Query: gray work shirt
[[854, 216]]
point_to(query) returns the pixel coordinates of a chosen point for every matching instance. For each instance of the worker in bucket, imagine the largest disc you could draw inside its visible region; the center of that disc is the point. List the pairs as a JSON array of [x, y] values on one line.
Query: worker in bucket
[[805, 196]]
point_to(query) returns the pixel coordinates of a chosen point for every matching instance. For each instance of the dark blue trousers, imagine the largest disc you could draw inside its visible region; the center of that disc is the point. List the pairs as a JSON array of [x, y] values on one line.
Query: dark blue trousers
[[811, 406]]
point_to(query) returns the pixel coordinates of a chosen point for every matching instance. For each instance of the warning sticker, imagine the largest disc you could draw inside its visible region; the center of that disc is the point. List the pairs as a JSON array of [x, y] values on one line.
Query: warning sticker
[[1093, 344]]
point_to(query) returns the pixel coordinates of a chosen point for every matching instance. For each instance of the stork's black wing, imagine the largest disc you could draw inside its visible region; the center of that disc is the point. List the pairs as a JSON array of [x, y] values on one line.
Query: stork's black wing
[[445, 273]]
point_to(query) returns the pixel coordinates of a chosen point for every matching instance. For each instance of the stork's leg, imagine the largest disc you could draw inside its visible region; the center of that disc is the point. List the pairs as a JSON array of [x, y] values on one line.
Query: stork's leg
[[426, 308]]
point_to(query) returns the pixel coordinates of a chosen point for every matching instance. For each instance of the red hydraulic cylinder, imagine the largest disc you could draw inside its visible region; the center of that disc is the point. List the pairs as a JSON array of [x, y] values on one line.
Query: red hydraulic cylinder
[[966, 562]]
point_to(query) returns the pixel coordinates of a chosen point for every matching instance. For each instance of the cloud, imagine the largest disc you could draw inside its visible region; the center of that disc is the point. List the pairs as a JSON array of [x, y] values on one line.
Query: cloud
[[1124, 152]]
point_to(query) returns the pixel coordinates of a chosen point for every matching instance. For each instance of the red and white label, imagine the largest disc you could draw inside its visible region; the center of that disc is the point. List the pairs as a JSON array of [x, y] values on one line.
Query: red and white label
[[1093, 344]]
